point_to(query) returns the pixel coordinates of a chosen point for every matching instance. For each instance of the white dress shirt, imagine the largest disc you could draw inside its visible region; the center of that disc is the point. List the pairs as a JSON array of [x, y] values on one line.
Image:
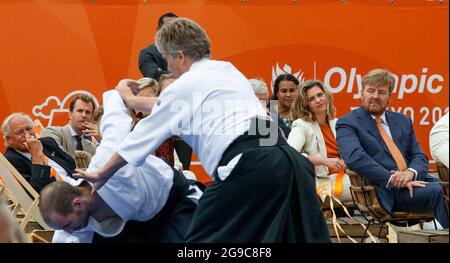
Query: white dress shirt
[[208, 107], [134, 193]]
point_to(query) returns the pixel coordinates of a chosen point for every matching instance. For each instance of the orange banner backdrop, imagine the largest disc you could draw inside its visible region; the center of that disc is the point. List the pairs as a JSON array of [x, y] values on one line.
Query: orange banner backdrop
[[52, 50]]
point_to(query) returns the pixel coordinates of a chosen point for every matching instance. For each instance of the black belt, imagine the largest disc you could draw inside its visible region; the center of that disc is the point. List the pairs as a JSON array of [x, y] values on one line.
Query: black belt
[[262, 133]]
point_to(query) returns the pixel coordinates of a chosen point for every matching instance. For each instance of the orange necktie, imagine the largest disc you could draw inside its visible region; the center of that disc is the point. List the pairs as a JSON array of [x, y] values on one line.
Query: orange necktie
[[53, 172], [398, 157]]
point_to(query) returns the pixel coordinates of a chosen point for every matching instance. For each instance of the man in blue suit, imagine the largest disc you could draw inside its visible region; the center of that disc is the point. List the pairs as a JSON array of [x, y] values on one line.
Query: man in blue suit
[[381, 146]]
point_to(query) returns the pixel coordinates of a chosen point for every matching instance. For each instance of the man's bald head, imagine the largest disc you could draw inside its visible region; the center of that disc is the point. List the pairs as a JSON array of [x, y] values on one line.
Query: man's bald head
[[57, 197]]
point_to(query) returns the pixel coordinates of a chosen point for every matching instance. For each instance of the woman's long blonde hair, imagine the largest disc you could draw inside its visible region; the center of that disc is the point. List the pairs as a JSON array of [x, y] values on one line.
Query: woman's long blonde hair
[[300, 108]]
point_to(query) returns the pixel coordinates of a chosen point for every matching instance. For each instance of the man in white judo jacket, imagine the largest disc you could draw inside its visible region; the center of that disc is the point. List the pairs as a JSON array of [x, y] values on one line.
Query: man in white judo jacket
[[263, 190], [158, 200]]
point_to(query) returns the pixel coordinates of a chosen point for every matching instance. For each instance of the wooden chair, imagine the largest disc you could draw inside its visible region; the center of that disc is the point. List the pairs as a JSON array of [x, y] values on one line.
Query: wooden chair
[[82, 159], [2, 188], [365, 198], [5, 194], [22, 194], [326, 208], [443, 176], [41, 236]]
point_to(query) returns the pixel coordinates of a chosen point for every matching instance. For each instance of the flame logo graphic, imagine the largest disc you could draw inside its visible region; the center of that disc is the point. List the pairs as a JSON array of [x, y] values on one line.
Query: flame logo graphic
[[277, 71]]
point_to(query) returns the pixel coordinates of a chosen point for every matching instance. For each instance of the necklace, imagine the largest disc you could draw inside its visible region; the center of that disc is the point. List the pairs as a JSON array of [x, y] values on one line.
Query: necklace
[[285, 114]]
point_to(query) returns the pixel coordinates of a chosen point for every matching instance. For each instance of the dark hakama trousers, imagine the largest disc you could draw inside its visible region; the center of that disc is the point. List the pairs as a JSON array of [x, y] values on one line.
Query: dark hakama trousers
[[269, 196]]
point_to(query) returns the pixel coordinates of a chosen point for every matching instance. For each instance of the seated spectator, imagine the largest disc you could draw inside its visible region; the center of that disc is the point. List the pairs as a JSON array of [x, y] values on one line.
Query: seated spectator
[[164, 81], [284, 91], [141, 105], [151, 202], [74, 135], [439, 140], [39, 161], [260, 89], [9, 227], [381, 146], [313, 134], [148, 88], [97, 116]]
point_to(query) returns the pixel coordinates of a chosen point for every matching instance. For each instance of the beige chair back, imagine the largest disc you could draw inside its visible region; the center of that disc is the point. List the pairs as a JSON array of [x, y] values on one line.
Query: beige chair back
[[21, 193], [82, 159]]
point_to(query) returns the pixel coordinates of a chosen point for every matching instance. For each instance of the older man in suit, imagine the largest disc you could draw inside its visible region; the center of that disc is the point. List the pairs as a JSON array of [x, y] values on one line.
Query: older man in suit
[[381, 146], [77, 134], [39, 161]]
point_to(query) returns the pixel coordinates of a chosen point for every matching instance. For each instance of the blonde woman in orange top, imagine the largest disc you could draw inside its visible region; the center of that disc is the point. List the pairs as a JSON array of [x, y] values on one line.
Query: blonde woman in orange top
[[313, 134]]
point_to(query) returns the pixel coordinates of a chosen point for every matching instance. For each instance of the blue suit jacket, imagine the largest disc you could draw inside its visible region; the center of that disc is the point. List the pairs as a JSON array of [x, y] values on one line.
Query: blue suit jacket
[[364, 151]]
